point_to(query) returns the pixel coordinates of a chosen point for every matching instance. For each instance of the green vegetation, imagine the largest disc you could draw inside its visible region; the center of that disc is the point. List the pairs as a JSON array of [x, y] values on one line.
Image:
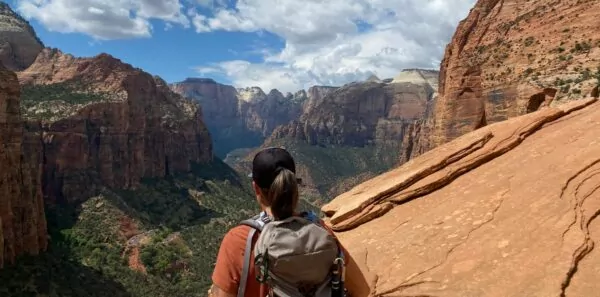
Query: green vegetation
[[45, 101], [529, 41], [581, 47], [329, 167], [175, 225]]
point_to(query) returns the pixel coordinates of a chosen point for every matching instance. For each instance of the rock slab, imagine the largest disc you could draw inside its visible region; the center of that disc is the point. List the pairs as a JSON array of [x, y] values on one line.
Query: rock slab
[[519, 218]]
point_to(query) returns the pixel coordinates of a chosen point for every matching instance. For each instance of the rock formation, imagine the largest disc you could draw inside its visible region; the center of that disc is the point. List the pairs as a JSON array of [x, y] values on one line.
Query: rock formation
[[508, 210], [348, 134], [19, 45], [105, 122], [509, 58], [362, 113], [243, 118], [22, 220]]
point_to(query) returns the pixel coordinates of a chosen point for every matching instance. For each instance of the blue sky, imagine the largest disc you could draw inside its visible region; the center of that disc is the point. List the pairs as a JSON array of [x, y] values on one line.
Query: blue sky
[[284, 44]]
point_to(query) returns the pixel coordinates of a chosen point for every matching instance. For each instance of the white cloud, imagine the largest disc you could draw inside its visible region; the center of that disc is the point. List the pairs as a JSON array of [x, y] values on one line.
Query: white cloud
[[103, 19], [328, 42], [337, 41]]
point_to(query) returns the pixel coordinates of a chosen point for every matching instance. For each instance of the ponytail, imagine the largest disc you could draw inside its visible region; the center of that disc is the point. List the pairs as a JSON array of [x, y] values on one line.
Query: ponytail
[[283, 194]]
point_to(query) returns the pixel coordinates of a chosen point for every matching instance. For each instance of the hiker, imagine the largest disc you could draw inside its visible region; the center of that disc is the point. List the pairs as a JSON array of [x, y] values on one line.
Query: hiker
[[248, 262]]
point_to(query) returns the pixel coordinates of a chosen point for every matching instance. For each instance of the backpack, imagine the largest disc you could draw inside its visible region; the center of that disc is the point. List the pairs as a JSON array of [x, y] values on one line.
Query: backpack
[[295, 257]]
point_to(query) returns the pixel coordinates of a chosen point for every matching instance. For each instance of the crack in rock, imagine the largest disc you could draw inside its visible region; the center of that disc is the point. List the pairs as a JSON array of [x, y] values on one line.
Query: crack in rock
[[588, 244], [408, 284]]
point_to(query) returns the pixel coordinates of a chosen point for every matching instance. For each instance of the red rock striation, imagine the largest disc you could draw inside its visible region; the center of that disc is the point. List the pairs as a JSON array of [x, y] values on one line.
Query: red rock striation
[[509, 58], [22, 220], [134, 127]]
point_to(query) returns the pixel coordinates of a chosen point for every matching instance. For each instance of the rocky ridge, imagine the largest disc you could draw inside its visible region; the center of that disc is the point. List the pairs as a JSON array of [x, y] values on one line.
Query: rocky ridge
[[22, 220], [509, 58], [19, 45], [508, 210], [106, 122]]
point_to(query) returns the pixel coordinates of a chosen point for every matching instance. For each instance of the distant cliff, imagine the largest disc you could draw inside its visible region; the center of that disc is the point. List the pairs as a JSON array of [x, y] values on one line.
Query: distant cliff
[[243, 118], [354, 132]]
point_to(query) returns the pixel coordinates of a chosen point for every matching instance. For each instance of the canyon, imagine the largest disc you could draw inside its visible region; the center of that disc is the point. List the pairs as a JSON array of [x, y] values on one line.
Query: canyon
[[443, 183]]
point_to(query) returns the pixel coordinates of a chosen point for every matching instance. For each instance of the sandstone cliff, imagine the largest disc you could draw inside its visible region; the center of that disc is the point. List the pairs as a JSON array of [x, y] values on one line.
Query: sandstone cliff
[[363, 113], [509, 58], [243, 118], [105, 122], [19, 45], [508, 210], [22, 220]]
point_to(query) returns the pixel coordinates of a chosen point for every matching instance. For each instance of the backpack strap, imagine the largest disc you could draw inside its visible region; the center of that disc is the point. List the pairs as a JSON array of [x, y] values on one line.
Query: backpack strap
[[246, 267], [256, 224]]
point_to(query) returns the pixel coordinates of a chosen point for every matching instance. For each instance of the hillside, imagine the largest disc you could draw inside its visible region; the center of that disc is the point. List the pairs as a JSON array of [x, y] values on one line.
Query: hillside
[[508, 210], [157, 240], [509, 58]]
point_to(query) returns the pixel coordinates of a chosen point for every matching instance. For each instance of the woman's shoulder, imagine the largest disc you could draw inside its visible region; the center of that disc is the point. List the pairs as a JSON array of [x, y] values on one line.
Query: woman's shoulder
[[237, 236]]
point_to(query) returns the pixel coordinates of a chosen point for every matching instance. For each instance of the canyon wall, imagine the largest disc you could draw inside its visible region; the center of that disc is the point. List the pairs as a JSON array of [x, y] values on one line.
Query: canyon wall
[[509, 58], [22, 220], [106, 123]]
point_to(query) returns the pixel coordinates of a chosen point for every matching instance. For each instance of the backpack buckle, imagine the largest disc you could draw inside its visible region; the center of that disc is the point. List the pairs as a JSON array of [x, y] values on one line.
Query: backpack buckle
[[261, 262], [341, 265]]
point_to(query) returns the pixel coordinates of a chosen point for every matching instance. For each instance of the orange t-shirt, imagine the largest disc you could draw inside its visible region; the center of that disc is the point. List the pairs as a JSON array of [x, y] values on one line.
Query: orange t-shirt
[[228, 268]]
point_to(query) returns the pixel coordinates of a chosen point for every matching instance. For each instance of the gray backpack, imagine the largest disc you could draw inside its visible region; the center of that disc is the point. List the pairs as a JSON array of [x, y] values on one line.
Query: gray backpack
[[295, 257]]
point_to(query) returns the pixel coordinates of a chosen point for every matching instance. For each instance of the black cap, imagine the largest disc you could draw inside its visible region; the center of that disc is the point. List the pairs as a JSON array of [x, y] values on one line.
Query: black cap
[[268, 163]]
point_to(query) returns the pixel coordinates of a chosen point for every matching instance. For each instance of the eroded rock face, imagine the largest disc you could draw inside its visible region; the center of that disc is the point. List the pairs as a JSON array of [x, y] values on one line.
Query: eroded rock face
[[508, 210], [22, 220], [509, 58], [243, 118], [105, 122], [360, 114], [19, 45]]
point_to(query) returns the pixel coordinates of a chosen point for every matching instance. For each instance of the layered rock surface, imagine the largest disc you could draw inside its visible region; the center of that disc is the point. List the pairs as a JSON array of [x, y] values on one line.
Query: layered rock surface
[[22, 220], [362, 114], [509, 58], [19, 45], [105, 122], [508, 210]]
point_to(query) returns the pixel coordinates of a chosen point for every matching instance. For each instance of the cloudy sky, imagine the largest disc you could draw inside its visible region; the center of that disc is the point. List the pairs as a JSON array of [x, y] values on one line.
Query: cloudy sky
[[284, 44]]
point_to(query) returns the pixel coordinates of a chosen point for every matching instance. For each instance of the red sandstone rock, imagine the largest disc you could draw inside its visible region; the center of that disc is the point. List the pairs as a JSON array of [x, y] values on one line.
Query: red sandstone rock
[[141, 129], [508, 58], [514, 217], [22, 220]]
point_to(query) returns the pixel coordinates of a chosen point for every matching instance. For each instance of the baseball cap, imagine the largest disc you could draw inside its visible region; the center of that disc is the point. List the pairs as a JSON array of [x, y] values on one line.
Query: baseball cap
[[268, 163]]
